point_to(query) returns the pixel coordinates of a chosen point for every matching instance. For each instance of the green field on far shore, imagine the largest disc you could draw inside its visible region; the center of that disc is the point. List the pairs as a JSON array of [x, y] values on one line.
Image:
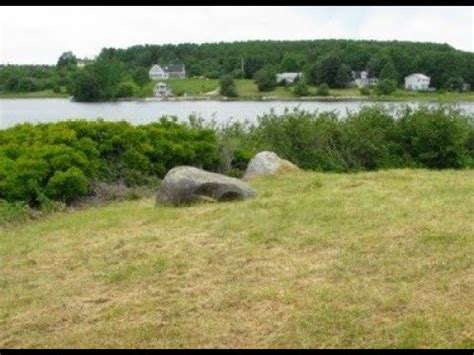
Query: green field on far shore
[[247, 90], [33, 95]]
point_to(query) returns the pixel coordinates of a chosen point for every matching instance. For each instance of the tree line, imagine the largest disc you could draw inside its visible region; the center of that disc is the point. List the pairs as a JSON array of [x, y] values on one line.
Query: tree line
[[124, 72], [321, 59]]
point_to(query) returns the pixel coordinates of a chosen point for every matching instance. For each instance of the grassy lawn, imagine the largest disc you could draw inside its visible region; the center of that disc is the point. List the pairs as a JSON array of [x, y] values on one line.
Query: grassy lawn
[[193, 86], [189, 86], [435, 96], [32, 95], [380, 259], [247, 89]]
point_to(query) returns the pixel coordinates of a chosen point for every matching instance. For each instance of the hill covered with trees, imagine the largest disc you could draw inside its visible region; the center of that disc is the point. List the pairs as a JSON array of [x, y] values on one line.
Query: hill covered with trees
[[120, 72], [440, 61]]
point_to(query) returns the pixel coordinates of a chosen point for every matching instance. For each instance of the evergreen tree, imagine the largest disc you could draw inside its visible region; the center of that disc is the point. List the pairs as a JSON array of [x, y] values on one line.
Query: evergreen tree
[[389, 72], [326, 69], [265, 80], [344, 76], [227, 86]]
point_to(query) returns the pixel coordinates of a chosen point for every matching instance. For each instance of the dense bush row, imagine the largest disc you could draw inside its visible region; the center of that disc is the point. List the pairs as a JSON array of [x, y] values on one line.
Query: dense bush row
[[28, 78], [373, 138], [61, 161], [58, 161]]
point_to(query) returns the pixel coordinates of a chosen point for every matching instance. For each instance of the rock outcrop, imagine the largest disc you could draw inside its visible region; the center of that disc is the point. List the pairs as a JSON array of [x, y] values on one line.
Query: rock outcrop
[[187, 184], [267, 163]]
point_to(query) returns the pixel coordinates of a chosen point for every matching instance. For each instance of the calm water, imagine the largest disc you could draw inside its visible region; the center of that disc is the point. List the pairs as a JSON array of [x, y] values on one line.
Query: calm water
[[13, 111]]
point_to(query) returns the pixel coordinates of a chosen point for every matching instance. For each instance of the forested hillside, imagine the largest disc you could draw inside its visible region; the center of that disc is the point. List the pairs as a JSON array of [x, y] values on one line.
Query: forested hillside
[[440, 61], [124, 72]]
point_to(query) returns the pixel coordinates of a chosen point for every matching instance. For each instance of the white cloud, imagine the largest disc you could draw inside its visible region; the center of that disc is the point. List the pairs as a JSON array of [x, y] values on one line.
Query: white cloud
[[429, 24], [41, 34]]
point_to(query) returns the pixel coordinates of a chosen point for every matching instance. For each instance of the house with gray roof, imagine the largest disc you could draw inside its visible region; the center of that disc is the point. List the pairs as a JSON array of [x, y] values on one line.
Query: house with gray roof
[[160, 72]]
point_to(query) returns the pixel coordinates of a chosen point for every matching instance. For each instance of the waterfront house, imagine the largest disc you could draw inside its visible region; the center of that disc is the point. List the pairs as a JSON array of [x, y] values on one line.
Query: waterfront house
[[417, 81], [361, 79], [160, 72], [161, 90], [288, 77]]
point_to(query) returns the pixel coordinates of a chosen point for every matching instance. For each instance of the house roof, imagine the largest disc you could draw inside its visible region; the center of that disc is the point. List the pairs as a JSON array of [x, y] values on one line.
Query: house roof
[[289, 75], [418, 75], [155, 67], [172, 68]]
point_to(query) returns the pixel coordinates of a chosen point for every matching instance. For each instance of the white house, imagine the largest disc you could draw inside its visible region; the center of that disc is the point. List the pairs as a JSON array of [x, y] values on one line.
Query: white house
[[288, 77], [361, 79], [417, 81], [160, 72], [161, 90]]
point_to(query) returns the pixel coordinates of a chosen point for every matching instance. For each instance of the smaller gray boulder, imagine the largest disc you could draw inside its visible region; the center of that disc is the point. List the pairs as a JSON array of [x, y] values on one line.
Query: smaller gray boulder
[[267, 163], [187, 184]]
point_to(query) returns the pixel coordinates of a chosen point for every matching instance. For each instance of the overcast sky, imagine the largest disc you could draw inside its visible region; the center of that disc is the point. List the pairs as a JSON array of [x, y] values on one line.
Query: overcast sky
[[38, 35]]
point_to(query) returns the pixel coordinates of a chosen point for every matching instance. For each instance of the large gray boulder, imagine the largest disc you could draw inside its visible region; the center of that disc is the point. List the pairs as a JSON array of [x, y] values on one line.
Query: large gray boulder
[[186, 184], [267, 163]]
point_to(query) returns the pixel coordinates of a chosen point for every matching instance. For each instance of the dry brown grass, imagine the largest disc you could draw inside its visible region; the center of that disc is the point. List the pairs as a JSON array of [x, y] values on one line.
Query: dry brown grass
[[316, 260]]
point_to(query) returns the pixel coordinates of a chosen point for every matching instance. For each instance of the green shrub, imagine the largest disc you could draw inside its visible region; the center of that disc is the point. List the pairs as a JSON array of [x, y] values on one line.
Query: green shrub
[[323, 90], [309, 140], [214, 74], [236, 147], [370, 139], [385, 87], [68, 185], [39, 162], [46, 163], [437, 138], [227, 86], [301, 89], [127, 89], [282, 83], [13, 212], [265, 80], [365, 91]]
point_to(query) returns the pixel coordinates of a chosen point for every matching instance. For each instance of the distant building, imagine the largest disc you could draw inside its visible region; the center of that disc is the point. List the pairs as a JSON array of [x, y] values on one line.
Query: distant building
[[417, 81], [81, 63], [159, 71], [161, 90], [361, 79], [288, 77]]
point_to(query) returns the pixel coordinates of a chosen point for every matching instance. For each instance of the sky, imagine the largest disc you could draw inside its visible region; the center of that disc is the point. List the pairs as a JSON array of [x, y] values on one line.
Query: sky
[[38, 35]]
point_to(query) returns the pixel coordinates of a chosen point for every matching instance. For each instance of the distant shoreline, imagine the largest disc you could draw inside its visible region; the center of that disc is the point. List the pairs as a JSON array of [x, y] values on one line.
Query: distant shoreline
[[441, 99]]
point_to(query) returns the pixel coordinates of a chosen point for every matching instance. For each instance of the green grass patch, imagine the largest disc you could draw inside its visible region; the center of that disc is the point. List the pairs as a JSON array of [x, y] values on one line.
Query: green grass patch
[[190, 87], [375, 259], [33, 95]]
